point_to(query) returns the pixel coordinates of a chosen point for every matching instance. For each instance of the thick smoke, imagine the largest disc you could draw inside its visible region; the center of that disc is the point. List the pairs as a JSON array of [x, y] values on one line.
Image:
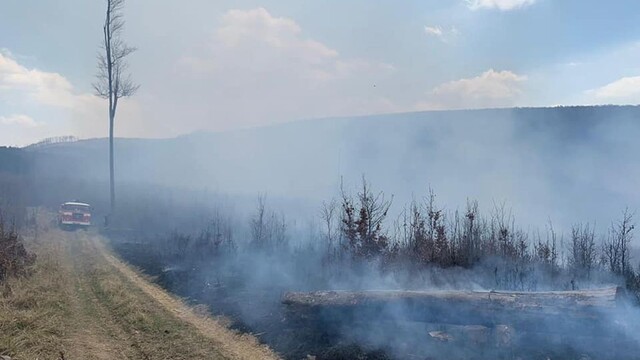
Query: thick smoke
[[547, 181], [566, 164]]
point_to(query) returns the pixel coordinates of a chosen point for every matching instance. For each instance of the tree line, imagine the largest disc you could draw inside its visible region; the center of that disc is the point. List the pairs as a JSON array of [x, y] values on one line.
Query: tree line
[[356, 236]]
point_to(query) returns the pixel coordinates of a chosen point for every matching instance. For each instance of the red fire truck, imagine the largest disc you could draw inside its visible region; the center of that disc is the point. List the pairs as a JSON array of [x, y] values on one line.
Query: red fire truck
[[74, 214]]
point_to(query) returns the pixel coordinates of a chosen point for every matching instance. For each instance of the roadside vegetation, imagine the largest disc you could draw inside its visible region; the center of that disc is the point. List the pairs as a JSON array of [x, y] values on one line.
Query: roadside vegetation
[[15, 260], [35, 305]]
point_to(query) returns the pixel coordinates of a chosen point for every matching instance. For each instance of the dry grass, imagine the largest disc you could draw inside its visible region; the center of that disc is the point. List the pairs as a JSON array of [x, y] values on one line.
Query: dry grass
[[34, 314], [81, 302]]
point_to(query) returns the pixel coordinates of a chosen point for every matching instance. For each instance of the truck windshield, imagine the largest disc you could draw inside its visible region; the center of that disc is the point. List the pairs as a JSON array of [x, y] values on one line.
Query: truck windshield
[[78, 208]]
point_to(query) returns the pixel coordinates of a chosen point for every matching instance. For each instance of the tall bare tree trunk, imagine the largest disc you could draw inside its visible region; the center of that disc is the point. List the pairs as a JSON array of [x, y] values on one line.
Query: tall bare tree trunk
[[112, 83], [112, 106], [112, 186]]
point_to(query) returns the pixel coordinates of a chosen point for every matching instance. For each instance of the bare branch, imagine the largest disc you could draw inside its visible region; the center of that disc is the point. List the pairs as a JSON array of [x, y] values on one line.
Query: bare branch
[[112, 82]]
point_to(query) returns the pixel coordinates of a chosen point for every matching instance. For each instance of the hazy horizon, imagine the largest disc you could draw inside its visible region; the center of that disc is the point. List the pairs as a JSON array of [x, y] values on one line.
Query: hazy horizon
[[309, 120]]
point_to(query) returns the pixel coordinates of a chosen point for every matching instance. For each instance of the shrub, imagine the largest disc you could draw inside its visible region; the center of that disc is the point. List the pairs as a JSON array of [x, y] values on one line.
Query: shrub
[[14, 258]]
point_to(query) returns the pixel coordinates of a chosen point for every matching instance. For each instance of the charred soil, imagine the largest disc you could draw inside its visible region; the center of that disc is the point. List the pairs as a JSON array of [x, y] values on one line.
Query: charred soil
[[357, 334]]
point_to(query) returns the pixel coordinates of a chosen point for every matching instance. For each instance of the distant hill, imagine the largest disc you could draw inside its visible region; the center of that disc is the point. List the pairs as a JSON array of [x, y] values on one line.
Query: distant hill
[[565, 163], [13, 161]]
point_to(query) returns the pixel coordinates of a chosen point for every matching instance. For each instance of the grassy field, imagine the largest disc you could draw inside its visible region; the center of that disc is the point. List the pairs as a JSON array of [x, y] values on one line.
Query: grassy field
[[82, 302]]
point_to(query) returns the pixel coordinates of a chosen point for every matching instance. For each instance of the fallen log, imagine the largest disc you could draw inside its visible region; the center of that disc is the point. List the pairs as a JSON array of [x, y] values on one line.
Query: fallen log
[[604, 297], [559, 310]]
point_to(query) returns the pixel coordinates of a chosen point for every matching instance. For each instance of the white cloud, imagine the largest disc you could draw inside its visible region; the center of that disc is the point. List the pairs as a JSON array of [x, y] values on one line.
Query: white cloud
[[54, 100], [259, 26], [490, 89], [18, 120], [624, 90], [260, 68], [433, 30], [43, 87], [443, 35], [503, 5], [280, 45]]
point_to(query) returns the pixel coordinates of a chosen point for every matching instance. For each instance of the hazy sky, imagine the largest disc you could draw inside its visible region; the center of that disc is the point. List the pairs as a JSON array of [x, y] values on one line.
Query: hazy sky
[[219, 65]]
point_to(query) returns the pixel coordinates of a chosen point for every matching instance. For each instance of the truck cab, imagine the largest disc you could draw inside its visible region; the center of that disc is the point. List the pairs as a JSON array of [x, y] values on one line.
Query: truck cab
[[74, 214]]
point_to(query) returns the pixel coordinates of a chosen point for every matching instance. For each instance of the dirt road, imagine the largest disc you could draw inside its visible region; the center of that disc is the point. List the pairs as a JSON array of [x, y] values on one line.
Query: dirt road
[[82, 302]]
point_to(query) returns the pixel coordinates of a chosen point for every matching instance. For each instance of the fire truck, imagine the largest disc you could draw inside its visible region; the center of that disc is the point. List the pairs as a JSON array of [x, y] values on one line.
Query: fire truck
[[74, 214]]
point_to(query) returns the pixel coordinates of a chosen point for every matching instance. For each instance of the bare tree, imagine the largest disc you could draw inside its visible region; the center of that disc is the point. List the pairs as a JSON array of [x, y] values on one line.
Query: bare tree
[[112, 82], [469, 246], [328, 213], [362, 222], [582, 249], [546, 253], [259, 223], [616, 246], [268, 228]]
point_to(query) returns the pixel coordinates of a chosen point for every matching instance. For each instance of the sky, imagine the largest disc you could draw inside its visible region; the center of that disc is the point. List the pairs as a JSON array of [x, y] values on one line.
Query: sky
[[225, 65]]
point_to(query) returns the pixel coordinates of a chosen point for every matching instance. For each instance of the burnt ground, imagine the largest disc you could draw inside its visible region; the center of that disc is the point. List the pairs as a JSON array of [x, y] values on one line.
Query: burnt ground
[[268, 320], [259, 311]]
